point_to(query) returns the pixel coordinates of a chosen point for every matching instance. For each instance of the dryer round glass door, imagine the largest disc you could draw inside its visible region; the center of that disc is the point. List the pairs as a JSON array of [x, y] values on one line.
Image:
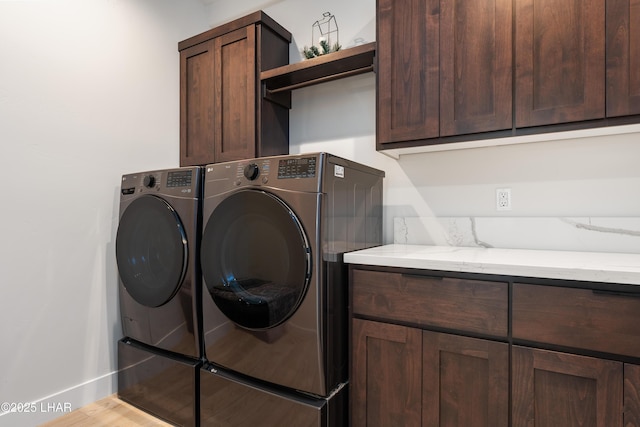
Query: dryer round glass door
[[151, 251], [256, 259]]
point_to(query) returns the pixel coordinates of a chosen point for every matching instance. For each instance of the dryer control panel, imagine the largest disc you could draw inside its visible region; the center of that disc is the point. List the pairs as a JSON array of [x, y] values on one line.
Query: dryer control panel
[[312, 172], [292, 172]]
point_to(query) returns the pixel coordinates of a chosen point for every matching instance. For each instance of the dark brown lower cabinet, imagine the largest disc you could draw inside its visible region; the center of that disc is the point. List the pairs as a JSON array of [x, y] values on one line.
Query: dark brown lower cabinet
[[404, 376], [631, 395], [418, 359], [559, 389], [386, 378], [465, 381]]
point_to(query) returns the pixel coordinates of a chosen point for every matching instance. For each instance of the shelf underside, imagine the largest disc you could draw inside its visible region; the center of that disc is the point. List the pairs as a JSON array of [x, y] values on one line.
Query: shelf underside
[[332, 66]]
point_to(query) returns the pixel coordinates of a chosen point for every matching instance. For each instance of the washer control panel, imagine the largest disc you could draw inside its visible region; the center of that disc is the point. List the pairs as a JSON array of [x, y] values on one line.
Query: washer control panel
[[179, 179], [179, 182]]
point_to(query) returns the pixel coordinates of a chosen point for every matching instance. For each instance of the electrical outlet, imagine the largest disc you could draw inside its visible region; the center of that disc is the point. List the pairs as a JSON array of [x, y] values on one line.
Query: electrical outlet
[[503, 199]]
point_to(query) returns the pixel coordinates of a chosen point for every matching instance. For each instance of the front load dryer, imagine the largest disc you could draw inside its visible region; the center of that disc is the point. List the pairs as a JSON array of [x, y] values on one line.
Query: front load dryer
[[275, 286], [157, 247]]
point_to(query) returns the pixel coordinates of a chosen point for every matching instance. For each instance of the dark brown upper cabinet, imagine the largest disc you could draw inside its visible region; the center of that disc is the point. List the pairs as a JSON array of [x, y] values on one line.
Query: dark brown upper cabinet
[[623, 57], [452, 70], [444, 68], [559, 61], [223, 115]]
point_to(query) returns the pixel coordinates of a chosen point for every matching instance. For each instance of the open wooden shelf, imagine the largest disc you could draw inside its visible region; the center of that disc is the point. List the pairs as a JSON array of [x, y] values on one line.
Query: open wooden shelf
[[332, 66]]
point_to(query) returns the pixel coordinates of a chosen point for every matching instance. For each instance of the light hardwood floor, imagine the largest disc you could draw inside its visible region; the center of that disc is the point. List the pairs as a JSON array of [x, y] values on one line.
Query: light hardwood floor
[[111, 412]]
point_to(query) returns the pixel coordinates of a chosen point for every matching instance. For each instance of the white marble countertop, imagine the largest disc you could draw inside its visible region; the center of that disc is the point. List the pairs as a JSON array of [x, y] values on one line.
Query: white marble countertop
[[585, 266]]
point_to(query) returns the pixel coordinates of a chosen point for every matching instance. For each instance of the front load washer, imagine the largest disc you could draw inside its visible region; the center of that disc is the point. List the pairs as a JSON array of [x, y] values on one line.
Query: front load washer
[[275, 286], [157, 245]]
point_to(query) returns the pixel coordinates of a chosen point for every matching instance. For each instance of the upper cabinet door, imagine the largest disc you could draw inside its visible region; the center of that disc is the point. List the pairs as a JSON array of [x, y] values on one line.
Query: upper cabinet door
[[559, 61], [623, 57], [196, 108], [475, 66], [444, 68], [235, 80], [407, 73]]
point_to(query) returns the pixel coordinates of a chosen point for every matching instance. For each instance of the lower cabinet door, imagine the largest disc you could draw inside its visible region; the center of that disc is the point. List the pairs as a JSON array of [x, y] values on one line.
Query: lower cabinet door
[[386, 375], [465, 381], [405, 377], [559, 389], [631, 395]]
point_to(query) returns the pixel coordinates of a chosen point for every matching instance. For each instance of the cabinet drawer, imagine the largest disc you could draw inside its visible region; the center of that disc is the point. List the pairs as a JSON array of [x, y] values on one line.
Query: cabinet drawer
[[578, 318], [466, 305]]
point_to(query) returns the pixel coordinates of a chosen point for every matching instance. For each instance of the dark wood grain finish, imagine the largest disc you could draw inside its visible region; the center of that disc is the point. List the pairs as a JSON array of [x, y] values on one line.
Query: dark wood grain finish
[[623, 57], [250, 19], [631, 395], [559, 61], [272, 135], [235, 74], [465, 381], [577, 318], [386, 375], [466, 305], [407, 72], [553, 389], [223, 115], [196, 110], [451, 71], [352, 61], [475, 66]]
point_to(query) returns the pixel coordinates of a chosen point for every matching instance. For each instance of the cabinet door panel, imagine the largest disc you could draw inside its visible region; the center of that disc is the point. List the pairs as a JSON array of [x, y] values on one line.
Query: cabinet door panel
[[196, 108], [465, 381], [475, 66], [235, 102], [407, 73], [559, 61], [386, 377], [631, 395], [623, 57], [556, 389]]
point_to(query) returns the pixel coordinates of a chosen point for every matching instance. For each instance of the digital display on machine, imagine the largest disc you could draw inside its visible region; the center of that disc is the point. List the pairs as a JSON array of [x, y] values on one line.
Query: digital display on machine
[[179, 179], [304, 167]]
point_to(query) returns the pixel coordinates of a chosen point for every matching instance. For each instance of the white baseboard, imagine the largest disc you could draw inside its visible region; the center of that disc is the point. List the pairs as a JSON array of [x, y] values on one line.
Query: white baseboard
[[30, 414]]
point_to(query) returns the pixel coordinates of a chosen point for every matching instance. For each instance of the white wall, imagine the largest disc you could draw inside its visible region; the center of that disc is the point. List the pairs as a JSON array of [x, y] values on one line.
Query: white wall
[[89, 90], [587, 177]]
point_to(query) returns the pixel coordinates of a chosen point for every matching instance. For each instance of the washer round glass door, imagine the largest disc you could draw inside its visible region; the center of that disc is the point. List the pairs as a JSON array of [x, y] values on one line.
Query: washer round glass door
[[151, 251], [256, 259]]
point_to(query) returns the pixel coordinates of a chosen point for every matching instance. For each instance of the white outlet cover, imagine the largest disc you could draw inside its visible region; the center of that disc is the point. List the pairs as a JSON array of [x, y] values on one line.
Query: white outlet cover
[[503, 199]]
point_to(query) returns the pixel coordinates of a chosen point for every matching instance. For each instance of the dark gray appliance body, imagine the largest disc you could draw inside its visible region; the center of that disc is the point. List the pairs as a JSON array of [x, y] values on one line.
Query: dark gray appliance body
[[233, 400], [274, 283], [161, 383], [157, 246]]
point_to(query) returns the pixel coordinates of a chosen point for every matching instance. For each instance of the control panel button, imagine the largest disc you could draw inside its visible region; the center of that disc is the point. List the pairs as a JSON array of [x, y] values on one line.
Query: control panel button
[[251, 171], [149, 181]]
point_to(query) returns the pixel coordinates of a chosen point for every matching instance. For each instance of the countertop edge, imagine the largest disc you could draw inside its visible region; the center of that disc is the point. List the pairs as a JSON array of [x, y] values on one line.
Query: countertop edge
[[615, 268]]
